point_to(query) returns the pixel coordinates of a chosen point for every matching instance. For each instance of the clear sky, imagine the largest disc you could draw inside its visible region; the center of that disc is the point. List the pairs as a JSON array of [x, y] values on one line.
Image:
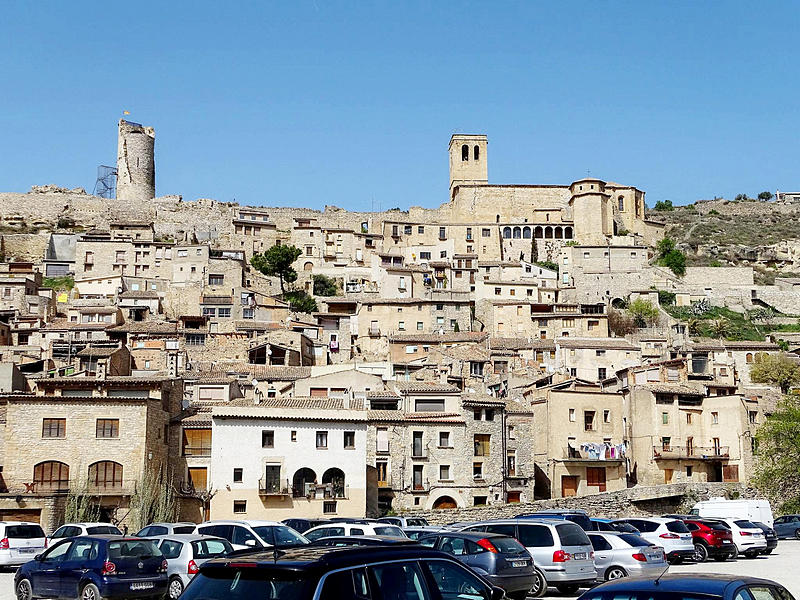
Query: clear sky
[[353, 104]]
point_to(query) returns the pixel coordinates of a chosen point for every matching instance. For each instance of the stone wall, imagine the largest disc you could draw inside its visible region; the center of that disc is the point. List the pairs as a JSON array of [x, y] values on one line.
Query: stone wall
[[635, 501]]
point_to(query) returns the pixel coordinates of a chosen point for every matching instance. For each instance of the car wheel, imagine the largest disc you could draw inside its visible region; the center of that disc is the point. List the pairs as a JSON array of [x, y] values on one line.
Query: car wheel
[[516, 595], [615, 573], [797, 533], [539, 587], [24, 590], [769, 550], [175, 588], [567, 588], [700, 553], [722, 558], [735, 553], [90, 592], [751, 554]]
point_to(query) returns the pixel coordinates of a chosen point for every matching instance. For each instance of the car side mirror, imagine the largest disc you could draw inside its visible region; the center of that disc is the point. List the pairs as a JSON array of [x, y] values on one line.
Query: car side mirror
[[498, 593], [251, 543], [38, 558]]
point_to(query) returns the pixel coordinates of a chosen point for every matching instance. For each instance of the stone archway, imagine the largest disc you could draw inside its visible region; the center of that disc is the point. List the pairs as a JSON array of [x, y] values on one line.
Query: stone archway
[[444, 503]]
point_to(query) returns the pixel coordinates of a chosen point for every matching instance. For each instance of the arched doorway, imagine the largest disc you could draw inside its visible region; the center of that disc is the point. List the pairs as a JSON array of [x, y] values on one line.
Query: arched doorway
[[335, 478], [548, 233], [538, 232], [301, 478], [308, 266], [568, 233], [559, 234], [444, 503]]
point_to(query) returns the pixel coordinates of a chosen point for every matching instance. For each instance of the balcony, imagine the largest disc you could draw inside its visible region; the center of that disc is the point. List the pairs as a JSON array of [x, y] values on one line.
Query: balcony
[[323, 491], [691, 452], [273, 487], [197, 451], [607, 454], [419, 454]]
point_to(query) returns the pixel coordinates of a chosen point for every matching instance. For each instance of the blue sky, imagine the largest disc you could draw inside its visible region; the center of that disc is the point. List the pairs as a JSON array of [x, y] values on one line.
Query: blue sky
[[352, 104]]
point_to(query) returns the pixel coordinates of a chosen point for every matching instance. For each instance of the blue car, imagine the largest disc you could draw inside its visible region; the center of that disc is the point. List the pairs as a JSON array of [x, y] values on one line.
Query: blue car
[[708, 586], [788, 526], [95, 567]]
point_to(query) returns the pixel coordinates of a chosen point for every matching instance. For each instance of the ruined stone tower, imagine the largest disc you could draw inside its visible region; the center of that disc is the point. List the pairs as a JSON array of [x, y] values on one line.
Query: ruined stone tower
[[468, 160], [136, 166]]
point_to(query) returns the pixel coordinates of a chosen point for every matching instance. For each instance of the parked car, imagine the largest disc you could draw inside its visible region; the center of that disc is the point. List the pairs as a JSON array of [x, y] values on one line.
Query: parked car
[[613, 525], [340, 529], [619, 555], [769, 536], [403, 522], [92, 567], [711, 539], [244, 535], [560, 549], [388, 572], [20, 541], [720, 508], [680, 587], [670, 534], [303, 525], [71, 530], [185, 553], [417, 532], [500, 559], [581, 517], [159, 529], [788, 526], [362, 540], [748, 539]]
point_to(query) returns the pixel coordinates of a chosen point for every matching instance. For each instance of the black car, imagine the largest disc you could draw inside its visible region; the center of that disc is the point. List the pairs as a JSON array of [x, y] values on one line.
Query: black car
[[362, 540], [769, 535], [396, 572], [680, 587], [303, 525]]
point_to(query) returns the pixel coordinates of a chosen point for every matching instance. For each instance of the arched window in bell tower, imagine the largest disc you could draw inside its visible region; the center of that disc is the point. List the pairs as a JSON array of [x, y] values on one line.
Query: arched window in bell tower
[[476, 153], [464, 153]]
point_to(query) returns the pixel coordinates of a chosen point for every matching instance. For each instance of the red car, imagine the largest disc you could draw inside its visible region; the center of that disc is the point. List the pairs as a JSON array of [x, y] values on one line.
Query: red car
[[711, 539]]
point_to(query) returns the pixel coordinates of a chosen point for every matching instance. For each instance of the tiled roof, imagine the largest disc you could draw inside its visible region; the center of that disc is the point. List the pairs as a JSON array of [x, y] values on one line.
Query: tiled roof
[[250, 325], [152, 327], [382, 395], [216, 300], [468, 351], [3, 414], [146, 294], [509, 343], [58, 324], [268, 372], [101, 352], [481, 400], [312, 403], [398, 416], [91, 381], [439, 338], [670, 388], [103, 310], [599, 343], [424, 386]]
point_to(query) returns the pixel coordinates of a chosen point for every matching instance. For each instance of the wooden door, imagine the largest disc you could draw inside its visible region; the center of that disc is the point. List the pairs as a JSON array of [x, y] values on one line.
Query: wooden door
[[569, 485], [596, 476], [667, 475], [730, 473]]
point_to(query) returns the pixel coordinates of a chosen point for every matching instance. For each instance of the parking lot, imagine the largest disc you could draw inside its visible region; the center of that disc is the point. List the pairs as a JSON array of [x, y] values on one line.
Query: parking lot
[[780, 566]]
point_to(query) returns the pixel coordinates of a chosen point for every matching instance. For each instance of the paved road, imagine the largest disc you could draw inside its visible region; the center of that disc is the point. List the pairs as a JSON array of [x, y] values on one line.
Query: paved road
[[781, 566]]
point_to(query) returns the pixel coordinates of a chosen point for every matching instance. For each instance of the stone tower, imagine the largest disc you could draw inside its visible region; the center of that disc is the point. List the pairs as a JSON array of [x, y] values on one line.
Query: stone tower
[[468, 160], [591, 211], [136, 165]]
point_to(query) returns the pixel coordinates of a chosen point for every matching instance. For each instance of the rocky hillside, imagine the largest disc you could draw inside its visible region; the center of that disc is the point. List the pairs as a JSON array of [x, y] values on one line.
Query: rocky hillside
[[765, 235]]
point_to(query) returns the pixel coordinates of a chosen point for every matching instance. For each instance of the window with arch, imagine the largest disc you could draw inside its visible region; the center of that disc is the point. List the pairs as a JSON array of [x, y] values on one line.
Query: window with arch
[[334, 477], [308, 266], [464, 153], [748, 357], [476, 153], [105, 474], [51, 476], [517, 233], [621, 203], [526, 233], [507, 232], [568, 233]]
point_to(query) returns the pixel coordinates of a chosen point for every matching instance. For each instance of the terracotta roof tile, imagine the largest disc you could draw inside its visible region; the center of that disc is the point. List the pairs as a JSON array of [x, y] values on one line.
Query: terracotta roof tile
[[398, 416]]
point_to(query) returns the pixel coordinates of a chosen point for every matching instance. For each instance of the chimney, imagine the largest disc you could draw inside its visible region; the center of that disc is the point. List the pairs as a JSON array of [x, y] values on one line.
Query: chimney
[[102, 368]]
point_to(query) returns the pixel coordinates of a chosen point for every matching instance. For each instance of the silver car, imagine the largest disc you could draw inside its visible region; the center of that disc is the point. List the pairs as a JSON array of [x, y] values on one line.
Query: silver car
[[161, 529], [619, 555], [185, 553]]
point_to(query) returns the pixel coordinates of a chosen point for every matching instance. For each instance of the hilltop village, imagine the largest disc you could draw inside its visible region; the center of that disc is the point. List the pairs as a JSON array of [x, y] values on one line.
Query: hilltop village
[[520, 342]]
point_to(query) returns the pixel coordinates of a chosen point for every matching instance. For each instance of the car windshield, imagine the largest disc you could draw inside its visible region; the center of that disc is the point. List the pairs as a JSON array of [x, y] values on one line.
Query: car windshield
[[416, 522], [744, 524], [633, 540], [716, 525], [245, 584], [133, 549], [621, 526], [389, 530], [280, 535], [507, 545], [24, 531], [103, 530], [677, 527]]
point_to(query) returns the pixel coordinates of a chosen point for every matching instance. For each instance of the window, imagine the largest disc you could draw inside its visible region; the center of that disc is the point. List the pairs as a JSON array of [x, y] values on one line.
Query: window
[[51, 476], [401, 325], [572, 415], [464, 153], [479, 500], [424, 255], [293, 435], [417, 477], [420, 229], [216, 279], [382, 439], [238, 474], [107, 428], [224, 313], [606, 416], [444, 439], [588, 420], [267, 439], [407, 229], [442, 233], [444, 473], [477, 470], [420, 326], [476, 369], [240, 506], [329, 507], [382, 467], [715, 418], [664, 418], [666, 444], [689, 470], [248, 313], [429, 405], [322, 439], [621, 203], [689, 418], [482, 444], [601, 373], [349, 440], [489, 414], [105, 474], [753, 416], [511, 463], [54, 428]]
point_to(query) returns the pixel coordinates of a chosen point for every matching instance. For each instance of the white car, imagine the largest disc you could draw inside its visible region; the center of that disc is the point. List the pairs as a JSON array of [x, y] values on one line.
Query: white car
[[253, 534], [70, 530], [748, 538], [20, 541], [672, 535], [159, 529], [344, 528]]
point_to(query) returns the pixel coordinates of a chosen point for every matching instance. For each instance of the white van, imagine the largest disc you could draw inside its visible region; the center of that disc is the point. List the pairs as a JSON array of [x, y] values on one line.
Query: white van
[[720, 508]]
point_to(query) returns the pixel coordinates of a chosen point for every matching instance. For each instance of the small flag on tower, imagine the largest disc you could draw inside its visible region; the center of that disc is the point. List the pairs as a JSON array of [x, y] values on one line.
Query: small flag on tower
[[126, 112]]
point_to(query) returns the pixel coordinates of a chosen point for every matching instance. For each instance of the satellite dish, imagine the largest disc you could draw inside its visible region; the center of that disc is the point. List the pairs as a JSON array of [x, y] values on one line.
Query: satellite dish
[[255, 382]]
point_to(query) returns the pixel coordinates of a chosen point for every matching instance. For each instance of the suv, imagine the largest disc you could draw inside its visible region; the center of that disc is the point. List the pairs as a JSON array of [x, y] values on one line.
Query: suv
[[357, 528], [788, 526], [748, 538], [69, 530], [560, 549], [388, 572], [20, 541], [251, 535], [159, 529], [769, 536], [403, 522], [579, 516], [711, 539], [670, 534]]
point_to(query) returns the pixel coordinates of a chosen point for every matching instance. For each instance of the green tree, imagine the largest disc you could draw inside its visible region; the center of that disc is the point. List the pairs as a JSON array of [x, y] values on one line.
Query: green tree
[[664, 205], [777, 472], [81, 506], [324, 285], [719, 328], [775, 369], [300, 301], [547, 264], [620, 323], [765, 196], [669, 256], [277, 262], [643, 312]]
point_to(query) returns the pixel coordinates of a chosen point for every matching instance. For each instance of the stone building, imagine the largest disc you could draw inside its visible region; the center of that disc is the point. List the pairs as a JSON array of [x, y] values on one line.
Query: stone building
[[136, 166]]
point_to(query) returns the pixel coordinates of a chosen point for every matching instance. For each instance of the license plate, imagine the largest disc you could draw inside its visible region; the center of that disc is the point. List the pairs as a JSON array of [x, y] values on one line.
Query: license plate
[[519, 563], [142, 585], [726, 542], [27, 550], [579, 556]]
